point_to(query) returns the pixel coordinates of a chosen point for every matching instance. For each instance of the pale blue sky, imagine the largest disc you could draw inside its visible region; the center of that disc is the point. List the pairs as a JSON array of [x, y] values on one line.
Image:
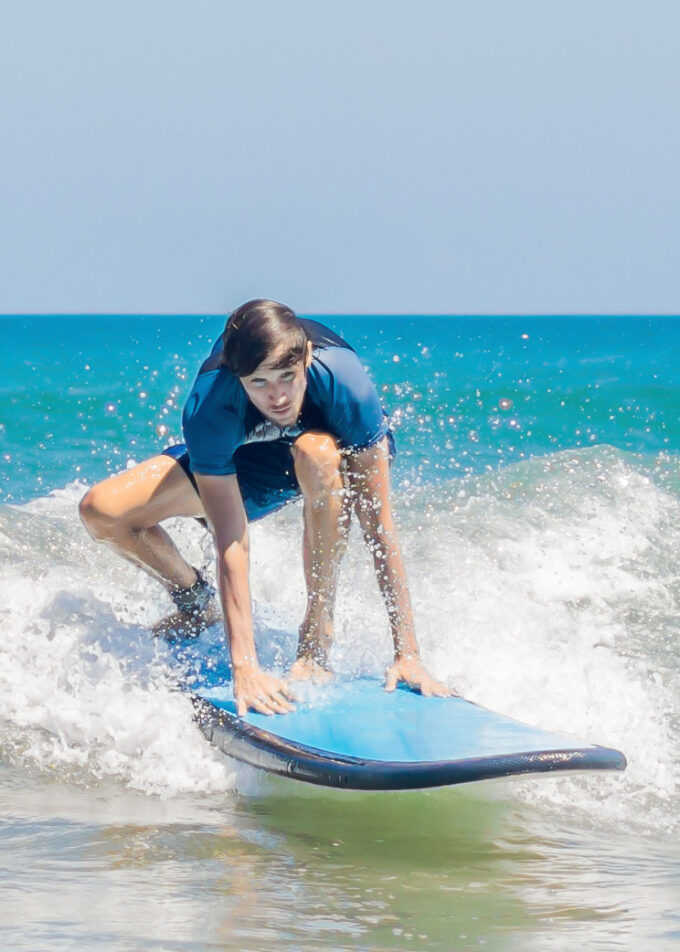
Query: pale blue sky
[[355, 156]]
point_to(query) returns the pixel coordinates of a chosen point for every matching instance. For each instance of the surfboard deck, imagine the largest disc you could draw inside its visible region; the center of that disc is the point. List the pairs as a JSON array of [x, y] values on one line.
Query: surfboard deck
[[355, 735]]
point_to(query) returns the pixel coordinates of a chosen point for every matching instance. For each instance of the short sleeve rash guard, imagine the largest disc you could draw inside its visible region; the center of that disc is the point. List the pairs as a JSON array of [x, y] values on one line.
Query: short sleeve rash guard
[[340, 399]]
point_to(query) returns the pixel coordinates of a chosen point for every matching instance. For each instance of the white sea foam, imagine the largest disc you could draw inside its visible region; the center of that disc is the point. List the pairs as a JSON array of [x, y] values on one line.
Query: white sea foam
[[555, 572], [84, 688], [546, 591]]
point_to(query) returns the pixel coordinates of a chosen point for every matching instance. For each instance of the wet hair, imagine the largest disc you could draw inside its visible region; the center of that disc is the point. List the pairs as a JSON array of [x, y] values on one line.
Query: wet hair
[[258, 329]]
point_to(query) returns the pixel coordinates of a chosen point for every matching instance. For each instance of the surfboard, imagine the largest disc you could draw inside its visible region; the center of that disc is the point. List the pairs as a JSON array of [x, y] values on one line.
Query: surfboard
[[352, 734]]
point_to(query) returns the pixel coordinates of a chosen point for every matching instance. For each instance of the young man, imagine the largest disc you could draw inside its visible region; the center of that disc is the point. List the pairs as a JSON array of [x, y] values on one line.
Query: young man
[[281, 408]]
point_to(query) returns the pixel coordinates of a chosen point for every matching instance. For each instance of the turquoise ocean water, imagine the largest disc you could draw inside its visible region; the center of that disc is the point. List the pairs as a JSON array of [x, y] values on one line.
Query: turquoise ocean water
[[537, 486]]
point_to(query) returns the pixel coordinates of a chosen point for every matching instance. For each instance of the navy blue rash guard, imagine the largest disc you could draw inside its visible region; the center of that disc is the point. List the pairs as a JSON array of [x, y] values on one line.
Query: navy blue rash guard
[[225, 434]]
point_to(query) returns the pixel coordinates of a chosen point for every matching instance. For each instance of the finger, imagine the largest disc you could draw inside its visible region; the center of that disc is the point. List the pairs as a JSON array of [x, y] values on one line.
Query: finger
[[439, 689], [277, 704], [284, 701], [391, 679], [241, 707], [278, 689], [280, 707], [443, 690], [286, 691], [280, 702], [262, 705]]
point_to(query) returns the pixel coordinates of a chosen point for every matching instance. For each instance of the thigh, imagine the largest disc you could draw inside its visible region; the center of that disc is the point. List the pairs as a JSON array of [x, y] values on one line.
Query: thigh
[[146, 494]]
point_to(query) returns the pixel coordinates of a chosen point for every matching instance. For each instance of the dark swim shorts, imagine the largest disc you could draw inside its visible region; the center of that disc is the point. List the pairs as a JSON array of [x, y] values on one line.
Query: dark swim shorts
[[265, 473]]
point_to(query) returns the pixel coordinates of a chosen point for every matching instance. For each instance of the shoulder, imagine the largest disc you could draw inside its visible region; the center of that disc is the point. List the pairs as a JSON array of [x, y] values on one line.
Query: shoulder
[[335, 371], [340, 387], [215, 391], [322, 336], [213, 421]]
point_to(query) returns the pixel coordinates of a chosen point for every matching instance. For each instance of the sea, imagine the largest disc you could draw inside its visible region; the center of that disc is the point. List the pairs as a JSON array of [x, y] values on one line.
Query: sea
[[537, 493]]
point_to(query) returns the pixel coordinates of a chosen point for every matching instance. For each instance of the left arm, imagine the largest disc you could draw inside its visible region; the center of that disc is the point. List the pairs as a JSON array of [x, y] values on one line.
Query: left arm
[[368, 473]]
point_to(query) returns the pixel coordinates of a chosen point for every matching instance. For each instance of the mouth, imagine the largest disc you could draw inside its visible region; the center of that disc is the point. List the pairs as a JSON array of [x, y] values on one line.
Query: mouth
[[281, 411]]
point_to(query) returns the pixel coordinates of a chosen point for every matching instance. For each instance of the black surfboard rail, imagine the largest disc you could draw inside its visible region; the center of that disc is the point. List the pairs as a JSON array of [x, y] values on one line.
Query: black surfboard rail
[[259, 748]]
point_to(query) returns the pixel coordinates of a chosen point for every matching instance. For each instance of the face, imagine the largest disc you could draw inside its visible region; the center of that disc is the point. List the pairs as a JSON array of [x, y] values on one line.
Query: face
[[278, 393]]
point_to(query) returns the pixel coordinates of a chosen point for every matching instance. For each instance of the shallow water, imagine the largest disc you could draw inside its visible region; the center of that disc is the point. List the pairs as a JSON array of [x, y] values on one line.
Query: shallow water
[[545, 588], [109, 868]]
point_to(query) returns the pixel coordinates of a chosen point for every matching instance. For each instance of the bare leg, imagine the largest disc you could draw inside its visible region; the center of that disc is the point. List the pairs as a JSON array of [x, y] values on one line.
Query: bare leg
[[125, 511], [326, 516]]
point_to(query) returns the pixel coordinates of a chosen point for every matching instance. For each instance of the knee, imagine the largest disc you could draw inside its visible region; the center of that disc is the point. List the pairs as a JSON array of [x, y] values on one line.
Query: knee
[[318, 462], [94, 517]]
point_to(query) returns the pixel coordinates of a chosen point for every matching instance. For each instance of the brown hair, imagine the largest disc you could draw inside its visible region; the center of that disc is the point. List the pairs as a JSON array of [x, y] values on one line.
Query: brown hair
[[258, 328]]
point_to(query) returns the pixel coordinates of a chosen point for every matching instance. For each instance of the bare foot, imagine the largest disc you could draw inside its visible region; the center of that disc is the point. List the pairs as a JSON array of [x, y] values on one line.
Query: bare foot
[[188, 625], [306, 669]]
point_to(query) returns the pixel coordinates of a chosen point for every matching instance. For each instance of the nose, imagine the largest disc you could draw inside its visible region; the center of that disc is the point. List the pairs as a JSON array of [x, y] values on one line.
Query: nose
[[278, 395]]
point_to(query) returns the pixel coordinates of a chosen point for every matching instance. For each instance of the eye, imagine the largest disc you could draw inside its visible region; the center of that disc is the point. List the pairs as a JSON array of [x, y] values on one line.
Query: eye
[[258, 384], [288, 375]]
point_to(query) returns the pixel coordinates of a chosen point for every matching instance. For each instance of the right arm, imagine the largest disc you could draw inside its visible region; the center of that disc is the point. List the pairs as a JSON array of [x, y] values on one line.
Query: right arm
[[223, 507]]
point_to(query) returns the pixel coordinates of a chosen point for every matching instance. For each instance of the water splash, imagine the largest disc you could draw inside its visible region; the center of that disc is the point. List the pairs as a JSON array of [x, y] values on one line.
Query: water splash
[[546, 591]]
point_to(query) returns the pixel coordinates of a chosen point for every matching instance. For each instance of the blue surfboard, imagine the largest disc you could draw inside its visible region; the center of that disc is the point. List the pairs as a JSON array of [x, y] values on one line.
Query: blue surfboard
[[355, 735]]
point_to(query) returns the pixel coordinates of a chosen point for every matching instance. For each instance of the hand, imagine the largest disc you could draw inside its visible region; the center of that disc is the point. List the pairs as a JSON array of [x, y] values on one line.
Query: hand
[[411, 671], [307, 669], [261, 692]]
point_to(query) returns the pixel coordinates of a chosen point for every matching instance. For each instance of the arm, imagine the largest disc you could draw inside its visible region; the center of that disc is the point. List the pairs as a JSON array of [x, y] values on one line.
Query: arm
[[369, 478], [224, 510]]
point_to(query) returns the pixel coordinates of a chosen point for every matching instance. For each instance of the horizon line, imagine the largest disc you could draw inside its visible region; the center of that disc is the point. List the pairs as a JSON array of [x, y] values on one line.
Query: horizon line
[[461, 314]]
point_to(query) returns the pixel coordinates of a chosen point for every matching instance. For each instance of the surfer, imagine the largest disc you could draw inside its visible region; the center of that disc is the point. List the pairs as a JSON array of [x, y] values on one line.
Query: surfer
[[282, 408]]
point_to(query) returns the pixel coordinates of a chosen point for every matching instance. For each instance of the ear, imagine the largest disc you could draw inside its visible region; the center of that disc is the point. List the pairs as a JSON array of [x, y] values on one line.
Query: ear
[[308, 358]]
